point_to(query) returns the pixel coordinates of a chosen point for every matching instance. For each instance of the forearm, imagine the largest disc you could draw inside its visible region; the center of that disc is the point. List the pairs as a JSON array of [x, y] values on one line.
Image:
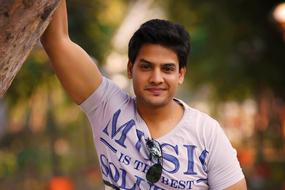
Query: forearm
[[57, 29], [73, 66]]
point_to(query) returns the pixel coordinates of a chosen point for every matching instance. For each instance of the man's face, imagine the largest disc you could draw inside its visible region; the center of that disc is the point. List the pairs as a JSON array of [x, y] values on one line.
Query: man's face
[[155, 75]]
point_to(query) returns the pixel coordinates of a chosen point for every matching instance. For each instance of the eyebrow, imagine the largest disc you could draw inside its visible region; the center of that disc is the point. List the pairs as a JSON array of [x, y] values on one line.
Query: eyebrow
[[145, 61], [149, 62]]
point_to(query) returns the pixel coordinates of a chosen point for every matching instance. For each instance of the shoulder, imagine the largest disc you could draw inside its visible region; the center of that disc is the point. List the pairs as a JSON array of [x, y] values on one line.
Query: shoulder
[[199, 118], [108, 94], [201, 123]]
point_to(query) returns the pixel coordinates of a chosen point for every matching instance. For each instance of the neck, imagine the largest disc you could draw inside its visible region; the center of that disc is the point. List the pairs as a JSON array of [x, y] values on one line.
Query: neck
[[157, 115], [161, 120]]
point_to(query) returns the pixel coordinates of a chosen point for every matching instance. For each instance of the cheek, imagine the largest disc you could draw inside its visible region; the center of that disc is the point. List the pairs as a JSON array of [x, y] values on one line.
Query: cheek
[[138, 82], [173, 82], [139, 77], [173, 79]]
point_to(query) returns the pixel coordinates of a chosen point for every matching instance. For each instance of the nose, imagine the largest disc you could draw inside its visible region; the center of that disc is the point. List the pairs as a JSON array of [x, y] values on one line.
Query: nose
[[156, 76]]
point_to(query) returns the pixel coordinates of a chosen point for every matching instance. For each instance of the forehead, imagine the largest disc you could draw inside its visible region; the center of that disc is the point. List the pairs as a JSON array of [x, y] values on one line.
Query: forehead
[[157, 54]]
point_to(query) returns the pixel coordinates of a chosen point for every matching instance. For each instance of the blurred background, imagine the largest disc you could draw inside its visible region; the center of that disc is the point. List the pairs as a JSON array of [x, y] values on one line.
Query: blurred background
[[235, 74]]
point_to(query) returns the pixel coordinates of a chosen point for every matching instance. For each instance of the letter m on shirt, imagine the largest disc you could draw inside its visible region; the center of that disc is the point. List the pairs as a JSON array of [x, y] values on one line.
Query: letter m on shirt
[[119, 133]]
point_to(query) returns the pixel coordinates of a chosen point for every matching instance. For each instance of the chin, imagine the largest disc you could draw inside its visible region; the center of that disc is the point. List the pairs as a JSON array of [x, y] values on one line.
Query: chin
[[155, 102]]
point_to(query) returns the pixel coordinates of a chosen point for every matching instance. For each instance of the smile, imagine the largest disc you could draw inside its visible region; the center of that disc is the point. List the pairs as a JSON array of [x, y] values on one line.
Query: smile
[[156, 91]]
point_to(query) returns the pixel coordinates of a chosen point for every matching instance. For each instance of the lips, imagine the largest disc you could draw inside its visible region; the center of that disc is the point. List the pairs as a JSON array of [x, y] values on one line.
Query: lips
[[155, 91]]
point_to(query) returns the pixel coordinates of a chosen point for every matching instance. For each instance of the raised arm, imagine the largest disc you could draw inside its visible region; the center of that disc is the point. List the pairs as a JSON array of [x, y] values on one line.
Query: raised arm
[[75, 69]]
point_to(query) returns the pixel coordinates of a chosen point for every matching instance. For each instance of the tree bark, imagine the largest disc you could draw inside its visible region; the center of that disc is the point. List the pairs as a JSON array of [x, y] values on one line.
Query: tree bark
[[21, 24]]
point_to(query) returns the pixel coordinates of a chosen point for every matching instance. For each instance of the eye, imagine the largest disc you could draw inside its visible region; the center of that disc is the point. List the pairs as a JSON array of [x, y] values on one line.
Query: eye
[[145, 66], [168, 68]]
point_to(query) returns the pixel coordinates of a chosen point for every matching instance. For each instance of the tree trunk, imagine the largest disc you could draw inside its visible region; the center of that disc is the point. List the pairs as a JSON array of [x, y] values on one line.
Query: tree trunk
[[21, 24]]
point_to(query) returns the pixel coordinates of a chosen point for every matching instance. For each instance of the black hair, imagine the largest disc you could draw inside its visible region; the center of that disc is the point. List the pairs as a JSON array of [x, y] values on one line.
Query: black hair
[[161, 32]]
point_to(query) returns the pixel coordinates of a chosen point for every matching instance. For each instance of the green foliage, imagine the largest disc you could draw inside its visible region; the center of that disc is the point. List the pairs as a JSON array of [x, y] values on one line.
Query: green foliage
[[236, 46], [34, 73], [92, 24]]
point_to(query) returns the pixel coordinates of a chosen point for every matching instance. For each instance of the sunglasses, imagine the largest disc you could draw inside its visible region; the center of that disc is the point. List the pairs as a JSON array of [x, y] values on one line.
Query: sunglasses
[[155, 155]]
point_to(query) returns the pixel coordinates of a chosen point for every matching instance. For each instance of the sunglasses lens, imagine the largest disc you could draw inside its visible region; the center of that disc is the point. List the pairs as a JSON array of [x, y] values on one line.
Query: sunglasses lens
[[154, 173]]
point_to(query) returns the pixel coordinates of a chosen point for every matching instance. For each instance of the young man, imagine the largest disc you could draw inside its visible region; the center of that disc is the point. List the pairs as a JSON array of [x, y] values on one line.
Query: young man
[[152, 140]]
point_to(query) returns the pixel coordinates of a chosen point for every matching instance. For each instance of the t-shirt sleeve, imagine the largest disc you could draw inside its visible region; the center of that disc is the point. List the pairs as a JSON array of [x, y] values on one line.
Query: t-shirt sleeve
[[103, 102], [223, 166]]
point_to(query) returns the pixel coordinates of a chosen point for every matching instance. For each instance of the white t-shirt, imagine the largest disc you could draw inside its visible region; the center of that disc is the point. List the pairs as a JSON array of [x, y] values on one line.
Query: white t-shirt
[[196, 153]]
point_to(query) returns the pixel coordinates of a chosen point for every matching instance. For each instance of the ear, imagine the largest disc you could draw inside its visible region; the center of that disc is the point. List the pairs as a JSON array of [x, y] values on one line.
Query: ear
[[130, 69], [182, 72]]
